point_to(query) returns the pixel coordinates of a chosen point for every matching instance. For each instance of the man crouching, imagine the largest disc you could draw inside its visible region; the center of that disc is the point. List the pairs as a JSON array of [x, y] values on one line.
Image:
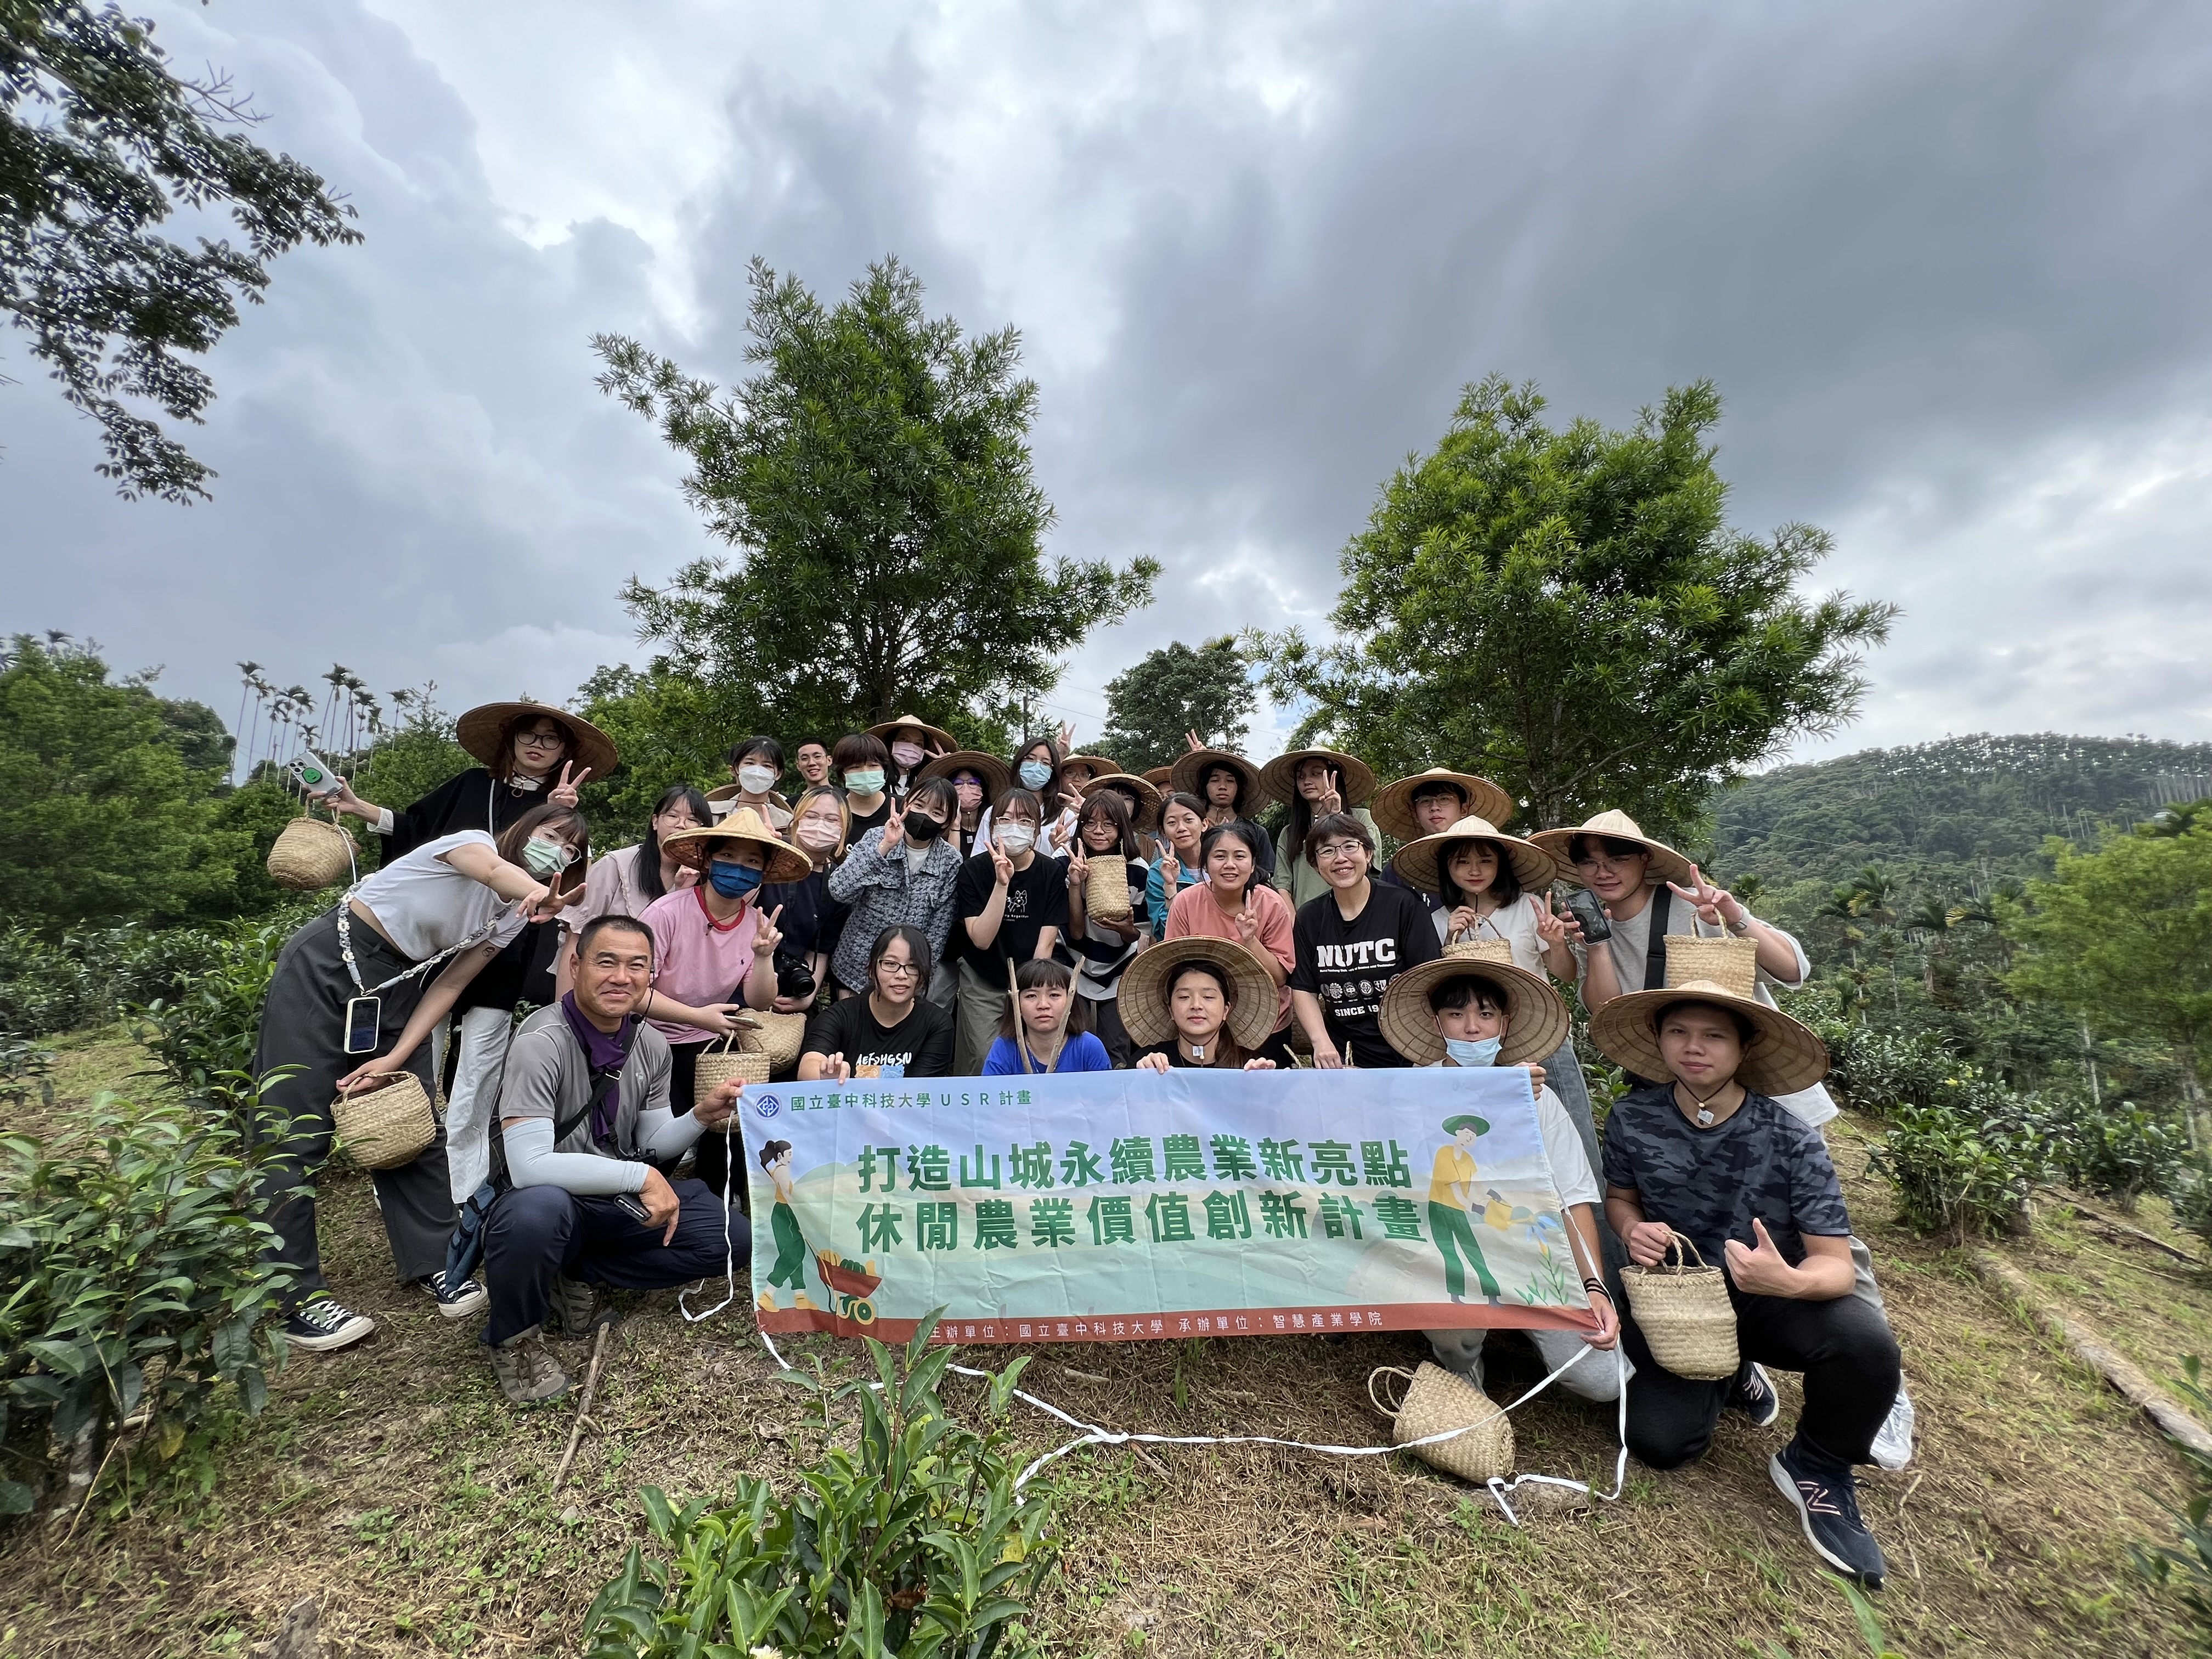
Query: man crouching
[[588, 1127]]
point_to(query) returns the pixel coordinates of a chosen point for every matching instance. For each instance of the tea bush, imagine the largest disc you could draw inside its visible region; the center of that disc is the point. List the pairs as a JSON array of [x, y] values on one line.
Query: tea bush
[[1966, 1163], [919, 1545], [2186, 1571], [202, 1031], [131, 1281], [89, 975], [2118, 1148]]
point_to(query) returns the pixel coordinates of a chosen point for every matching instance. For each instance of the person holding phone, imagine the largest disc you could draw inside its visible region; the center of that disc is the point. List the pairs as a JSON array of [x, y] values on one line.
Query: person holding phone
[[1010, 905], [380, 971], [901, 875], [892, 1029], [812, 921], [588, 1122], [1313, 783]]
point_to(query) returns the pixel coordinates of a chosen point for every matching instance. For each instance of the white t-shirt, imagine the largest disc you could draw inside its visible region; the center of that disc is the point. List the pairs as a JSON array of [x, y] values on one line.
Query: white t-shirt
[[1563, 1149], [425, 906]]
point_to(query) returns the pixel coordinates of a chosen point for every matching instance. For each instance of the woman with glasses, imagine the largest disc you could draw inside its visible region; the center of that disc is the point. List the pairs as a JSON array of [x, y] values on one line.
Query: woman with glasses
[[892, 1030], [812, 921], [1349, 944]]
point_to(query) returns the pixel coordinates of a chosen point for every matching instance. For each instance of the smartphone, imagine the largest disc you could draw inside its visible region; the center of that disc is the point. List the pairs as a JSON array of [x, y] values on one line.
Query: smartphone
[[364, 1017], [314, 776], [1583, 905], [630, 1205]]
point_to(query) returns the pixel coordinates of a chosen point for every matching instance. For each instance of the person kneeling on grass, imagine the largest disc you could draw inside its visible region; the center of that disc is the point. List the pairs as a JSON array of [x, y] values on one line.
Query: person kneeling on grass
[[1473, 1011], [585, 1109], [1711, 1156]]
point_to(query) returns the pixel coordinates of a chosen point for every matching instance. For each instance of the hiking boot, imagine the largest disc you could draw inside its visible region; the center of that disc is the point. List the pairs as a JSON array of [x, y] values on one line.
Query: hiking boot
[[1892, 1441], [528, 1374], [322, 1324], [455, 1301], [1752, 1394], [575, 1304], [1826, 1498]]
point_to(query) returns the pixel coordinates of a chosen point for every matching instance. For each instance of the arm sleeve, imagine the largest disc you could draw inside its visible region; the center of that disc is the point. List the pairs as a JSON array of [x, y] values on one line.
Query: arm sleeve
[[1417, 934], [1179, 914], [825, 1032], [1815, 1192], [1612, 1149], [531, 1162], [935, 1057], [1305, 968], [666, 1135], [1000, 1061], [1091, 1054], [1054, 912], [937, 925], [1279, 870], [1156, 900]]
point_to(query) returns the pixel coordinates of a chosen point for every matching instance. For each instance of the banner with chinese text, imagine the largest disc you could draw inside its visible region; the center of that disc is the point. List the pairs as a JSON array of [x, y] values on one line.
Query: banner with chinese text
[[1119, 1205]]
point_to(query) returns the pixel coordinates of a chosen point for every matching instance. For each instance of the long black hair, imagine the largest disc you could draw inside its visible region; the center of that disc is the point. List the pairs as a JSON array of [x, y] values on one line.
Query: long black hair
[[1504, 886], [648, 853], [1107, 803]]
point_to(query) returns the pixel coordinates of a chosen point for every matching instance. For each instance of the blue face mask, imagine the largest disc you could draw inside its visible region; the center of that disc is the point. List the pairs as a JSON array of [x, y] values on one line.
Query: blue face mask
[[1036, 774], [1483, 1051], [732, 880]]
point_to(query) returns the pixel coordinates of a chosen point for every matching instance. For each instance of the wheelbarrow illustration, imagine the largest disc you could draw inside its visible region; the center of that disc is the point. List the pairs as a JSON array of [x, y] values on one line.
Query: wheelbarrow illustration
[[852, 1283]]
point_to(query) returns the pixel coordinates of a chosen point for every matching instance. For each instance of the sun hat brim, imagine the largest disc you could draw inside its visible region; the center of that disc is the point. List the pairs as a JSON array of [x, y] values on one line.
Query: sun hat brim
[[478, 731], [1536, 1020], [1783, 1058], [1160, 777], [936, 734], [1667, 863], [1142, 997], [1191, 767], [694, 849], [1099, 764], [996, 779], [1420, 863], [1452, 1125], [1279, 776], [1393, 803], [1148, 799]]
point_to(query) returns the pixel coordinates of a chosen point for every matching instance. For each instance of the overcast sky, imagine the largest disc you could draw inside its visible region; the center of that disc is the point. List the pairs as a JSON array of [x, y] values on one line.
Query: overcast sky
[[1947, 265]]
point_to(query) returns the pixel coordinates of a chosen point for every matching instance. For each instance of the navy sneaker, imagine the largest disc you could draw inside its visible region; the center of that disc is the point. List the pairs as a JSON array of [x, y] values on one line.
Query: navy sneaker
[[1752, 1394], [1826, 1498], [322, 1323], [455, 1301]]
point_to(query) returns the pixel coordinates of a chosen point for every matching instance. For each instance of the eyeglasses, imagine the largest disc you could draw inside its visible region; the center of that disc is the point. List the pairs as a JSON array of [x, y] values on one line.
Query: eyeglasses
[[1605, 861], [1341, 849], [900, 969], [543, 738]]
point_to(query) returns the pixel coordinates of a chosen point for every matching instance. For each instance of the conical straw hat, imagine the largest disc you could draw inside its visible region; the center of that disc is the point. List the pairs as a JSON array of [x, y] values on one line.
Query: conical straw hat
[[1667, 863], [1782, 1056]]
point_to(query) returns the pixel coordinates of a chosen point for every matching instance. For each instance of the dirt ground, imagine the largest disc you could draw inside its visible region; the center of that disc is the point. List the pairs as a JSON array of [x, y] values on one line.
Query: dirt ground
[[391, 1482]]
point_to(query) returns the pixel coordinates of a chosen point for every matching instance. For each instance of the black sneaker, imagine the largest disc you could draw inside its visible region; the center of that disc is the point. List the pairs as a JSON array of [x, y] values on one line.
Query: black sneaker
[[1752, 1394], [323, 1323], [455, 1301], [1828, 1507]]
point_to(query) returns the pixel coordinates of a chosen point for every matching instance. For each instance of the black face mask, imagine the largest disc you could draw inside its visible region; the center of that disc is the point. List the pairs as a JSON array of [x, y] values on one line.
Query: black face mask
[[918, 829]]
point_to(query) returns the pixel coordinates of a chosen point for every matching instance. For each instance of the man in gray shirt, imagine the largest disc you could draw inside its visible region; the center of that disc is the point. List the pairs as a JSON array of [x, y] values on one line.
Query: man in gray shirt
[[587, 1126]]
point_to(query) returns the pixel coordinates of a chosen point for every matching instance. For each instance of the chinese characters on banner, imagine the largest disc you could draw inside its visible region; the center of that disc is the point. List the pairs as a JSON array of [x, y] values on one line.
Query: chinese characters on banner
[[1121, 1207]]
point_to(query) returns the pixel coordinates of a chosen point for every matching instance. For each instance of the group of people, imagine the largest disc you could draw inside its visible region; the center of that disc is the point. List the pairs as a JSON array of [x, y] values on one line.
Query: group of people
[[898, 905]]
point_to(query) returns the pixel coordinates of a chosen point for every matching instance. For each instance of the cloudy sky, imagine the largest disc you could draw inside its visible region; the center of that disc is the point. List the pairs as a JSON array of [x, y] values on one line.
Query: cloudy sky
[[1947, 265]]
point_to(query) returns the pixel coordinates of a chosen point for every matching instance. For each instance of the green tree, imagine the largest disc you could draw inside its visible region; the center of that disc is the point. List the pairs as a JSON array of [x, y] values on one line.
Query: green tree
[[99, 143], [875, 477], [1174, 690], [103, 815], [1567, 611], [2121, 937]]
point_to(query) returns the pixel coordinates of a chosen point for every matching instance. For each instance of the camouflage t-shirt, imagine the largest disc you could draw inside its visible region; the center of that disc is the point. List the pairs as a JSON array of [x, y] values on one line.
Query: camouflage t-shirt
[[1708, 1184]]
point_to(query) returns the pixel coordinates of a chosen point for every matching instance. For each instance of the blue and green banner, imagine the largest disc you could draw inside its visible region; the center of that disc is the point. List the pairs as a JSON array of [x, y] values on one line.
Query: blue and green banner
[[1115, 1206]]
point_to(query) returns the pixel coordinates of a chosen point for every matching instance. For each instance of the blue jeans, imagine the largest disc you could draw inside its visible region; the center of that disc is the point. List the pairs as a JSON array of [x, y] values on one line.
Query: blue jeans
[[537, 1231]]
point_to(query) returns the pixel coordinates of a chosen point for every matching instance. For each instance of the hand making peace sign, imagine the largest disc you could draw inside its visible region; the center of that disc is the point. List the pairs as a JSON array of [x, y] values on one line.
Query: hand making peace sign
[[768, 935], [563, 793]]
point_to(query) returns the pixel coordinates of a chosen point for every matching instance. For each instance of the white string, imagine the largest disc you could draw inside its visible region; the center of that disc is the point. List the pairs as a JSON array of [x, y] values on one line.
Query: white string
[[729, 1249]]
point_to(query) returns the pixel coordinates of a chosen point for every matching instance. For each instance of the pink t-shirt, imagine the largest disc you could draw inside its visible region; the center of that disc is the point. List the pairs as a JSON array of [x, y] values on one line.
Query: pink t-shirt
[[696, 961], [1194, 913]]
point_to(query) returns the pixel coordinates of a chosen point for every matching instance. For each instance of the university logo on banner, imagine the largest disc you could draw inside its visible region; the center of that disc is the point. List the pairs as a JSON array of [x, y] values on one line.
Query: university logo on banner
[[1127, 1206]]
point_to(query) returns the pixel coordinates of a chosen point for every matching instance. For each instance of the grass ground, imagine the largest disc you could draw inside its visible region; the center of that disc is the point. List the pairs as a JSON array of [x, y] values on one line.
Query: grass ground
[[392, 1482]]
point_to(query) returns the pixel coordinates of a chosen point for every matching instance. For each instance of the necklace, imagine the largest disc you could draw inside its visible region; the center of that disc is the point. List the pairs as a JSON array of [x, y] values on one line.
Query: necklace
[[1705, 1113]]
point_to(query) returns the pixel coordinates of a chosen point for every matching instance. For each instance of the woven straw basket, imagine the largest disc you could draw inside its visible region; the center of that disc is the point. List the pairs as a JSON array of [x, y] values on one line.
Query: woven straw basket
[[1684, 1313], [781, 1037], [386, 1122], [1730, 964], [1106, 889], [310, 854], [1482, 950], [747, 1062], [1436, 1400]]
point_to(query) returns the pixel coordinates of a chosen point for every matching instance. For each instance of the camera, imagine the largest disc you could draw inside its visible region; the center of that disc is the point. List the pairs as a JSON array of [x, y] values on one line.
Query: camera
[[793, 978], [1583, 905]]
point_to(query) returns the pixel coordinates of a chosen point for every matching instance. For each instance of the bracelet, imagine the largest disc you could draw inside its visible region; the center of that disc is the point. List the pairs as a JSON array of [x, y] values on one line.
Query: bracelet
[[1596, 1287]]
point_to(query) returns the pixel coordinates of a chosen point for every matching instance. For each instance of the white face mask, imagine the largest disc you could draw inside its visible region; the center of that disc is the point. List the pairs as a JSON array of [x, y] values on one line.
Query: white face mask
[[1016, 838], [817, 834], [1473, 1051], [756, 780]]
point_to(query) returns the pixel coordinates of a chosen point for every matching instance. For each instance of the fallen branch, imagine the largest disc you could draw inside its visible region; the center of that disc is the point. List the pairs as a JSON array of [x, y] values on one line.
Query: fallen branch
[[2135, 1233], [583, 1405], [2092, 1350]]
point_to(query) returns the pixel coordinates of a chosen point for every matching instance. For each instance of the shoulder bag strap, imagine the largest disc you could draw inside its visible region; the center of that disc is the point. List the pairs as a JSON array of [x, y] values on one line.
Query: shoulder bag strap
[[1655, 954]]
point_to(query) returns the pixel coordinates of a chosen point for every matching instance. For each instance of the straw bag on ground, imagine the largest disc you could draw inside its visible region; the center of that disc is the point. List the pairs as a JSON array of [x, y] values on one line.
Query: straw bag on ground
[[747, 1062], [310, 854], [1106, 888], [386, 1122], [1684, 1313], [1436, 1401]]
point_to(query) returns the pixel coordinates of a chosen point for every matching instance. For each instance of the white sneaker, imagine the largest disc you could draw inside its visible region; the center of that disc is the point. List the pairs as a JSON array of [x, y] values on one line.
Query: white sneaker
[[1892, 1444]]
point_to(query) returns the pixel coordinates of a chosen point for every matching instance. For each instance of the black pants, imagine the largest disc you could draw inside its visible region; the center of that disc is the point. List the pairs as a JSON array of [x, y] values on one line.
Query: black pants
[[303, 1029], [1844, 1348], [711, 1151], [534, 1232]]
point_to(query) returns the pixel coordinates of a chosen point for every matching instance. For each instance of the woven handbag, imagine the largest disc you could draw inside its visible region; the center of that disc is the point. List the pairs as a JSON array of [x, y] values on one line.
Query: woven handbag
[[310, 854], [782, 1036], [1730, 964], [1482, 950], [1106, 889], [1684, 1313], [1436, 1401], [747, 1063], [386, 1122]]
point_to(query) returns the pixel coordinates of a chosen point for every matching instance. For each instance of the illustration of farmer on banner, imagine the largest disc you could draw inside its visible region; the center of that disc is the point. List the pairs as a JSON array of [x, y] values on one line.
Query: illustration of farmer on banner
[[790, 1267], [1451, 1207]]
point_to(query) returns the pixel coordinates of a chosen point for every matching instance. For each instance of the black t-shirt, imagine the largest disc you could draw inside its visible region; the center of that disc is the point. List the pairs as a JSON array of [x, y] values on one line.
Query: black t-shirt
[[1763, 1160], [1036, 898], [866, 822], [811, 920], [1350, 964], [920, 1045]]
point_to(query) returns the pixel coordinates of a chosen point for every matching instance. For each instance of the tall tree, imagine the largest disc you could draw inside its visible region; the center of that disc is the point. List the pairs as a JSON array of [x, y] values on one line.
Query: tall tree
[[1174, 690], [1567, 611], [875, 477], [99, 142]]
